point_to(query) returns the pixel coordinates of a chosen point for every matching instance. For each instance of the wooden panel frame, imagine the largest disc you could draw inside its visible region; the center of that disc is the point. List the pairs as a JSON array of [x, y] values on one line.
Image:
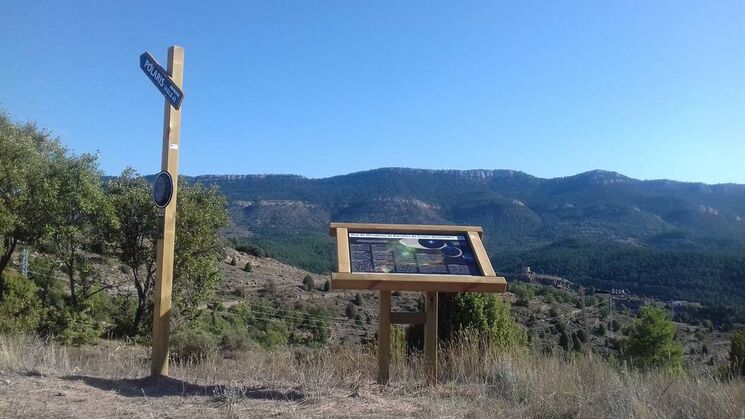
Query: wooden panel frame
[[345, 279]]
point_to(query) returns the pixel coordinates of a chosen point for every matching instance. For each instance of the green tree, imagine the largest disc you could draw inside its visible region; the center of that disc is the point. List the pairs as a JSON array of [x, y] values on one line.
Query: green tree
[[737, 352], [651, 342], [134, 235], [25, 181], [201, 216], [78, 216]]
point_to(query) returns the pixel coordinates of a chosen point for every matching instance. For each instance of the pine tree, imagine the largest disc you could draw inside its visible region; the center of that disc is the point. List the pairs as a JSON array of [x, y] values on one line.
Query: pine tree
[[651, 342]]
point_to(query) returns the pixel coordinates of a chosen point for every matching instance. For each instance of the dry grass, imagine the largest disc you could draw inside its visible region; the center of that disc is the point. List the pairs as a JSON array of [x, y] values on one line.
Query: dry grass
[[42, 379]]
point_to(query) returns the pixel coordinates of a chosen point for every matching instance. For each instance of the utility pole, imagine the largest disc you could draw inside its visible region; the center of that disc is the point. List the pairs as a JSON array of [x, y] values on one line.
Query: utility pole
[[165, 196], [588, 346], [24, 263]]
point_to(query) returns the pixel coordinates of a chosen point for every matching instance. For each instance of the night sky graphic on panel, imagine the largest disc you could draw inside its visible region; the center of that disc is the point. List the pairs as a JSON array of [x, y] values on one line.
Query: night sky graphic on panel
[[412, 254]]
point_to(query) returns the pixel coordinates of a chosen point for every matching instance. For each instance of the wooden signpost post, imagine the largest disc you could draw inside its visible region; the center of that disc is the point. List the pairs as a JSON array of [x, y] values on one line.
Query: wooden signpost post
[[169, 83], [400, 257]]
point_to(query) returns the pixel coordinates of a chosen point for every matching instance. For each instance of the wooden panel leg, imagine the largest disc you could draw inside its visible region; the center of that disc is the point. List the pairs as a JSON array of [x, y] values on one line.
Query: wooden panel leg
[[430, 338], [384, 337]]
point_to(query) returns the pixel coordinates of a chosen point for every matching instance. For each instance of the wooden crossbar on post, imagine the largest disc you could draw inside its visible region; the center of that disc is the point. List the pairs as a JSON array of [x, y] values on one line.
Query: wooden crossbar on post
[[166, 243]]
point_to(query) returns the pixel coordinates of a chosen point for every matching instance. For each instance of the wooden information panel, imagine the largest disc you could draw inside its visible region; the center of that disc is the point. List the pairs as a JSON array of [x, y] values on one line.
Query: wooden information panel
[[401, 257], [396, 257]]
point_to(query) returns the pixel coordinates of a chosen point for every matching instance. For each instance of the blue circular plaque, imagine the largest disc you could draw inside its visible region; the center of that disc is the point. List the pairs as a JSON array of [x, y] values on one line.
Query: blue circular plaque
[[162, 189]]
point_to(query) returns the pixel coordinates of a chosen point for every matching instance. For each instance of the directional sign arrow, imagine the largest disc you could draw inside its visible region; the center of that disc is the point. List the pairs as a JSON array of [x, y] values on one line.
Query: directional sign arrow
[[161, 80]]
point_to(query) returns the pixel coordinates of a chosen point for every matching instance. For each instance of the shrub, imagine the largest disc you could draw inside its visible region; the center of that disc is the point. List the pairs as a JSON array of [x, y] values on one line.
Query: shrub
[[576, 342], [276, 334], [251, 249], [77, 327], [523, 292], [351, 311], [737, 353], [236, 339], [233, 261], [601, 330], [308, 283], [486, 314], [327, 286], [564, 341], [121, 312], [21, 309], [248, 267], [270, 287], [358, 300], [193, 343], [243, 292]]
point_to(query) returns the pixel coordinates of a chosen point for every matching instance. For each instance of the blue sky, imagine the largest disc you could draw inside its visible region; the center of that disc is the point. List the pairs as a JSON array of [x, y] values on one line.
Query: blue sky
[[320, 88]]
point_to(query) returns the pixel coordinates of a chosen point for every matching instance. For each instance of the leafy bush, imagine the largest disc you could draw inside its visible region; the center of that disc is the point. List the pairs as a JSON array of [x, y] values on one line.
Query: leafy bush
[[236, 339], [523, 292], [21, 309], [77, 327], [192, 343], [121, 312], [489, 315], [358, 300]]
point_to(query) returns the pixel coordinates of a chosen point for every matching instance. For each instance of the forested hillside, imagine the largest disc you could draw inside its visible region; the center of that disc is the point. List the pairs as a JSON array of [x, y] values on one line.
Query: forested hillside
[[668, 239]]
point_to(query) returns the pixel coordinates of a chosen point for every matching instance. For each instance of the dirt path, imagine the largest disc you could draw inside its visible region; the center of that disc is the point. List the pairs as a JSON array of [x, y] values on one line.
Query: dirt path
[[76, 396]]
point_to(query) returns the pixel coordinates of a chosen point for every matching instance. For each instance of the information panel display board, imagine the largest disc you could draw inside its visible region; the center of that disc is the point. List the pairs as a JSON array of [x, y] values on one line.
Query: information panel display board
[[411, 257], [406, 257], [412, 254]]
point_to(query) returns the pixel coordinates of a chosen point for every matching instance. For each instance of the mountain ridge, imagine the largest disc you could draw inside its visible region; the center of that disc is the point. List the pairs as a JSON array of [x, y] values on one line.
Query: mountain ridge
[[519, 211], [508, 172]]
